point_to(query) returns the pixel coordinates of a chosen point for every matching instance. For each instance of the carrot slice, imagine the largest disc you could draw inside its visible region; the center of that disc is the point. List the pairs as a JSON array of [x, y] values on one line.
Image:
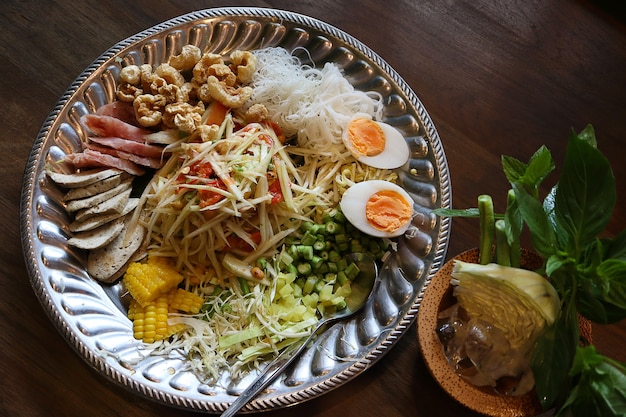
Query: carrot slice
[[216, 113]]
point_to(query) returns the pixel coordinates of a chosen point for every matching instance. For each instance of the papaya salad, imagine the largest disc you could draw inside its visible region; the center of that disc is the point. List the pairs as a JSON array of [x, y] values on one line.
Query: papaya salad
[[268, 173]]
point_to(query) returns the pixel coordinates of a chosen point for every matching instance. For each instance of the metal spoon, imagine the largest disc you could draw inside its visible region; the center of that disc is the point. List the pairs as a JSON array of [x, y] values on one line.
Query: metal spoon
[[362, 286]]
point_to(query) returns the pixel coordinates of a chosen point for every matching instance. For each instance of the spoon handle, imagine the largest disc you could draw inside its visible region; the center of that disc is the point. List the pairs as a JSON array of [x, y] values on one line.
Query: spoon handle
[[269, 373]]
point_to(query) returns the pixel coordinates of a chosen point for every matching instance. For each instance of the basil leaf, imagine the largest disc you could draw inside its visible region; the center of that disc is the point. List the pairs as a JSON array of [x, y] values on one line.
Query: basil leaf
[[600, 389], [590, 304], [561, 237], [612, 274], [555, 263], [470, 212], [513, 168], [529, 175], [552, 357], [541, 231], [593, 255], [588, 134], [513, 224], [601, 294], [616, 248], [585, 196]]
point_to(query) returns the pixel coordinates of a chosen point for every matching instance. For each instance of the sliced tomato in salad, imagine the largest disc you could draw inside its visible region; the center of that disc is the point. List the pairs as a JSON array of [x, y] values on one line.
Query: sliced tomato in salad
[[275, 191], [276, 128], [237, 243], [210, 197]]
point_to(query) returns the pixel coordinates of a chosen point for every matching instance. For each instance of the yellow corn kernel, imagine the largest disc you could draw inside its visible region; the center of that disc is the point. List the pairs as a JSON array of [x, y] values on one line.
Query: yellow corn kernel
[[146, 281], [161, 313], [136, 314], [185, 301], [150, 322], [132, 309]]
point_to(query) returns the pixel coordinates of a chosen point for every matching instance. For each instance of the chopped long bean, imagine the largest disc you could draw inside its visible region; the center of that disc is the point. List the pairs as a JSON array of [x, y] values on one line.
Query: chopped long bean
[[315, 257]]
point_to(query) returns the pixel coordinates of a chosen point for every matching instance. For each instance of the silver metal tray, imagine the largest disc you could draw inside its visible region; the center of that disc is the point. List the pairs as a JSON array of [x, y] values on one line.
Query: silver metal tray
[[92, 317]]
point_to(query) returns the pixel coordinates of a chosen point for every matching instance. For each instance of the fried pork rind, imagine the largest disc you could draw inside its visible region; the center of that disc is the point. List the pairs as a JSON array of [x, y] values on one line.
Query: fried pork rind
[[229, 96], [163, 95], [187, 59], [128, 92], [201, 70], [130, 83], [170, 74], [256, 113], [148, 76], [149, 109], [130, 74], [244, 65], [184, 116], [174, 93], [220, 72], [223, 73], [208, 133], [218, 81]]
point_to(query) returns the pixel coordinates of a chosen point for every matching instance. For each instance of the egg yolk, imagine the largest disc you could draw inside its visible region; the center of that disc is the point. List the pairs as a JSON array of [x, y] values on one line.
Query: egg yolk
[[387, 210], [366, 137]]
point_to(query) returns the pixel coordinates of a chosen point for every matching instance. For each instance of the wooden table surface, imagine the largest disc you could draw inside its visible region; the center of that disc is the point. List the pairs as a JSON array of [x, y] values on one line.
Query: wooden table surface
[[497, 77]]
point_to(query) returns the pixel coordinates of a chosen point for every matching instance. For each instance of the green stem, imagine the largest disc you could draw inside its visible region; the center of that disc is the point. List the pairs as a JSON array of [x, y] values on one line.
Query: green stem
[[487, 225], [515, 225], [503, 250]]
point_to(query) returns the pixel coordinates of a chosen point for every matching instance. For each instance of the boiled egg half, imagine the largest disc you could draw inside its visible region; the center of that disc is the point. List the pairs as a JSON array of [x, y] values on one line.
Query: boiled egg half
[[377, 207], [376, 144]]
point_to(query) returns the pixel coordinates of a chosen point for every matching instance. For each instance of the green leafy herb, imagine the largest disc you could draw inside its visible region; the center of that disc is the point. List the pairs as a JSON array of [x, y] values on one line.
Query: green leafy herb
[[588, 272], [601, 386]]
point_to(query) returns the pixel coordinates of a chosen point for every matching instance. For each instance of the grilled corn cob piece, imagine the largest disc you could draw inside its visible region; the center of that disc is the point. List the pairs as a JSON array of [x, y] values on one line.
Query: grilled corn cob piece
[[150, 321], [146, 281], [184, 301]]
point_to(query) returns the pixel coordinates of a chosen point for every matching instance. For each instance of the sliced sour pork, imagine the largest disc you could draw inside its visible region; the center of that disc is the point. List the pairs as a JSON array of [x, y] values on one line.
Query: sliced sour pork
[[138, 159], [130, 146], [90, 158], [108, 126], [119, 110]]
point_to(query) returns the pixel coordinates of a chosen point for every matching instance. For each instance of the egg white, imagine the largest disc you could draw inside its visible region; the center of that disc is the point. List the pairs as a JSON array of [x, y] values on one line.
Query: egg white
[[355, 198], [395, 154]]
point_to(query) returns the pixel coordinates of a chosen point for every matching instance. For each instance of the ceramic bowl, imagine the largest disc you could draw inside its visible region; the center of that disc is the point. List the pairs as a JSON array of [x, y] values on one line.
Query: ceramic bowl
[[437, 297]]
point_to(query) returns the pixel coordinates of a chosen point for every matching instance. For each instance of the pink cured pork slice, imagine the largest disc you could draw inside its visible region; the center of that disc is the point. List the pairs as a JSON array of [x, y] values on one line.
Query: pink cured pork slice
[[120, 110], [138, 159], [130, 146], [108, 126], [89, 158]]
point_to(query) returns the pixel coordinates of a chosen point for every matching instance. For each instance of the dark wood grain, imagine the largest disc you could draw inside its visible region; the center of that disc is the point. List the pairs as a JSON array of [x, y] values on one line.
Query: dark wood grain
[[497, 77]]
